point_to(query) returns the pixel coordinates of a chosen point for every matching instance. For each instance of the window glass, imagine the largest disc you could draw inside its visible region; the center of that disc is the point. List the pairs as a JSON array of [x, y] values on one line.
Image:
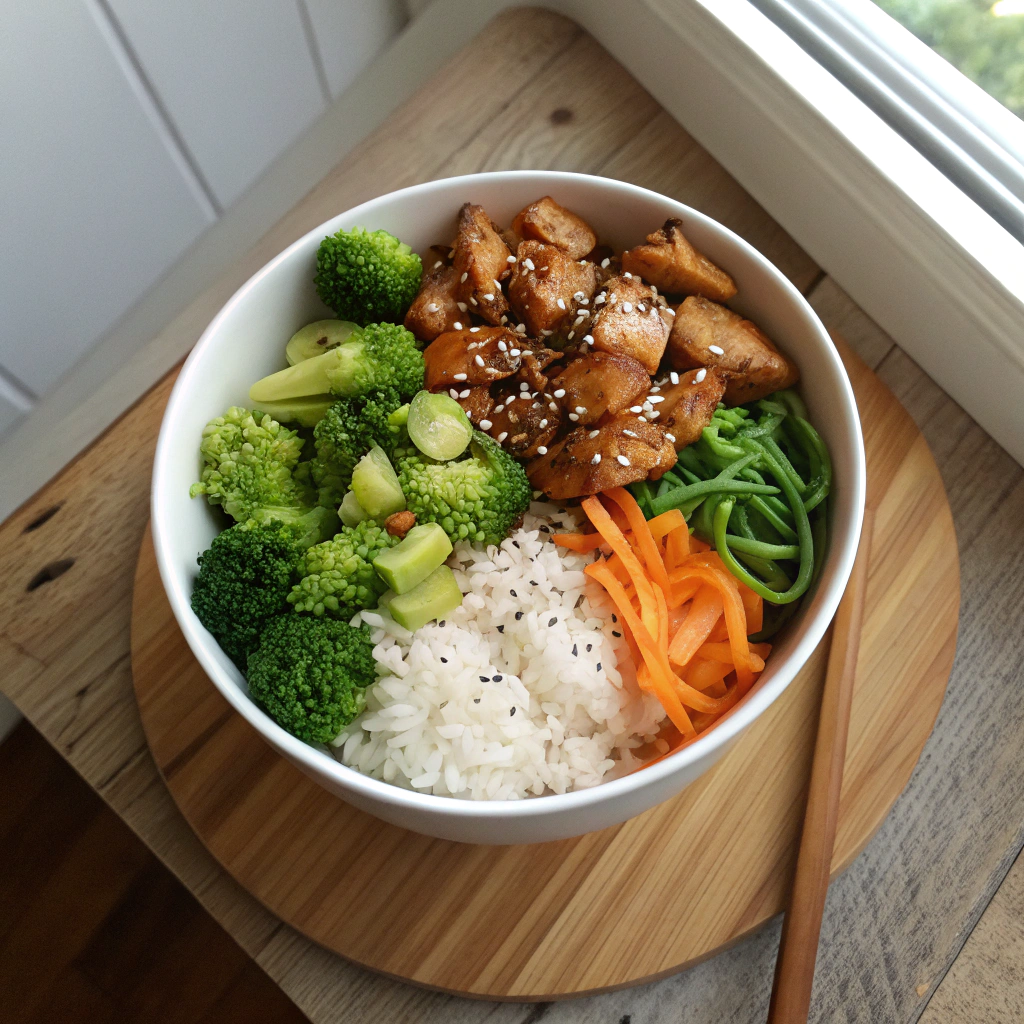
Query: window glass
[[985, 41]]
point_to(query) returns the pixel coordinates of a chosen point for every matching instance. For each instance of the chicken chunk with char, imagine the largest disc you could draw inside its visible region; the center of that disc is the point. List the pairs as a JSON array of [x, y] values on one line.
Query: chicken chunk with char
[[627, 321], [548, 222], [600, 384], [591, 460], [435, 308], [548, 289], [707, 334], [477, 402], [471, 357], [481, 263], [672, 264], [686, 408], [524, 422]]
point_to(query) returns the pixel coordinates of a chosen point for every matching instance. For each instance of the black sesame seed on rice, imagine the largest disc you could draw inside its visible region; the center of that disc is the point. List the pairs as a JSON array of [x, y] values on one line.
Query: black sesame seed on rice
[[590, 647], [443, 704], [511, 712], [575, 651], [552, 621], [615, 632], [441, 623], [515, 544], [485, 679], [519, 615], [513, 593], [444, 661], [496, 679], [501, 628], [615, 618], [476, 700], [599, 666]]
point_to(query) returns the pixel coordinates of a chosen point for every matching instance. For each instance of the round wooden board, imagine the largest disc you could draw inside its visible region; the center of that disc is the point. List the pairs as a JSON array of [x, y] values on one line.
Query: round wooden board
[[609, 909]]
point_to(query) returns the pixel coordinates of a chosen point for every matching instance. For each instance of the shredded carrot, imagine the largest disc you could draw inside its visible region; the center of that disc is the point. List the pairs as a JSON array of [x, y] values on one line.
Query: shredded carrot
[[580, 542], [684, 616], [705, 611]]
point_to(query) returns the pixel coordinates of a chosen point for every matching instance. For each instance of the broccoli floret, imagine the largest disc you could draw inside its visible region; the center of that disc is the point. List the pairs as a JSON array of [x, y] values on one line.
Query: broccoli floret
[[338, 577], [367, 276], [310, 674], [245, 576], [349, 429], [250, 465], [478, 498], [381, 356]]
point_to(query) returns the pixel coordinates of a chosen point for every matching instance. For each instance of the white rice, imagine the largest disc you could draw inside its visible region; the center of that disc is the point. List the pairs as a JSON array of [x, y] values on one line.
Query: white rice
[[490, 706]]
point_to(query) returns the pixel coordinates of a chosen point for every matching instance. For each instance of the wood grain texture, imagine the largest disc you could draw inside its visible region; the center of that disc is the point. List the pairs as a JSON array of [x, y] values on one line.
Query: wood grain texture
[[601, 911], [895, 919], [801, 928]]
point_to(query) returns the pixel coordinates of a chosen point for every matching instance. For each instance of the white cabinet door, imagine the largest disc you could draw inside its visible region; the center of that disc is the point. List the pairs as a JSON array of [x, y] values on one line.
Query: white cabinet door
[[236, 78], [93, 206]]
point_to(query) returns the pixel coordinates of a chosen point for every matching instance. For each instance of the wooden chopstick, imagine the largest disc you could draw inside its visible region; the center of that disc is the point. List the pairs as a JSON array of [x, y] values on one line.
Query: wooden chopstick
[[798, 948]]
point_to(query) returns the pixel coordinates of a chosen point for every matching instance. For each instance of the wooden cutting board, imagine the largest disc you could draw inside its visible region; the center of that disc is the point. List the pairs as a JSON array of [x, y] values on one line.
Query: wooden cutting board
[[609, 909]]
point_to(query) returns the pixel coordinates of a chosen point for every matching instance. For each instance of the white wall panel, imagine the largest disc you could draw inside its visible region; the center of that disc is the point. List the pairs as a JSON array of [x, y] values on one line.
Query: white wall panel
[[350, 33], [13, 405], [236, 78], [93, 207]]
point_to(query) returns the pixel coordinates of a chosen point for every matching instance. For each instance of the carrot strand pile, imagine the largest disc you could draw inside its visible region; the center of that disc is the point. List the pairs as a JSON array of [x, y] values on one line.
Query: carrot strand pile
[[685, 617]]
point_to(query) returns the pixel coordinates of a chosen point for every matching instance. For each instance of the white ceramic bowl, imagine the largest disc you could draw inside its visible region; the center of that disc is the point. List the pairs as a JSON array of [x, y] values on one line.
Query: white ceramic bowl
[[246, 340]]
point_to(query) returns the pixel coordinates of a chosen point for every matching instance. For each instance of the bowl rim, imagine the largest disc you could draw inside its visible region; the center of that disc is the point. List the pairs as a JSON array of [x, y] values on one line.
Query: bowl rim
[[842, 550]]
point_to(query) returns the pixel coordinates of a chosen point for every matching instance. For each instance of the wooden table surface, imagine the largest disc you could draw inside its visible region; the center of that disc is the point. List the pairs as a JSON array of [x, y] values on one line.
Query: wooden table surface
[[922, 926]]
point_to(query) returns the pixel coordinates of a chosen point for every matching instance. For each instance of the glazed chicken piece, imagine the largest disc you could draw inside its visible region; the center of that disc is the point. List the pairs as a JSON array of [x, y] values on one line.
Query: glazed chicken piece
[[599, 384], [548, 290], [471, 357], [535, 362], [435, 309], [548, 222], [627, 322], [477, 402], [671, 264], [687, 407], [482, 262], [522, 421], [707, 334], [588, 461]]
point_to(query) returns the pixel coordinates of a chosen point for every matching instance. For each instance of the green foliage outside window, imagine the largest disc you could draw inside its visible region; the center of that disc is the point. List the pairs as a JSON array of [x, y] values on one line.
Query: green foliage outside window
[[987, 49]]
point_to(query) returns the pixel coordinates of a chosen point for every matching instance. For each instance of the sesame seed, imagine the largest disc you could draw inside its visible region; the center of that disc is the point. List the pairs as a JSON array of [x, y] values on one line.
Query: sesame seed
[[473, 301], [546, 334], [462, 307], [497, 284], [596, 459], [572, 334], [627, 275], [578, 296], [574, 416], [466, 393], [451, 253], [636, 408], [438, 263], [510, 399], [654, 415], [584, 302], [489, 296], [605, 262], [622, 460], [655, 389], [700, 375], [655, 398], [457, 325], [553, 406], [459, 376], [486, 424], [520, 328], [504, 320], [502, 436], [432, 307], [542, 450], [502, 347], [560, 393], [523, 386], [444, 660], [473, 330], [453, 393], [485, 679], [528, 263], [588, 339], [462, 279], [629, 433], [510, 259], [641, 307], [674, 377], [516, 351], [671, 437], [718, 351], [499, 409], [542, 269], [648, 407], [670, 311], [543, 423], [560, 303], [578, 320], [627, 307], [581, 409], [599, 666], [478, 359]]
